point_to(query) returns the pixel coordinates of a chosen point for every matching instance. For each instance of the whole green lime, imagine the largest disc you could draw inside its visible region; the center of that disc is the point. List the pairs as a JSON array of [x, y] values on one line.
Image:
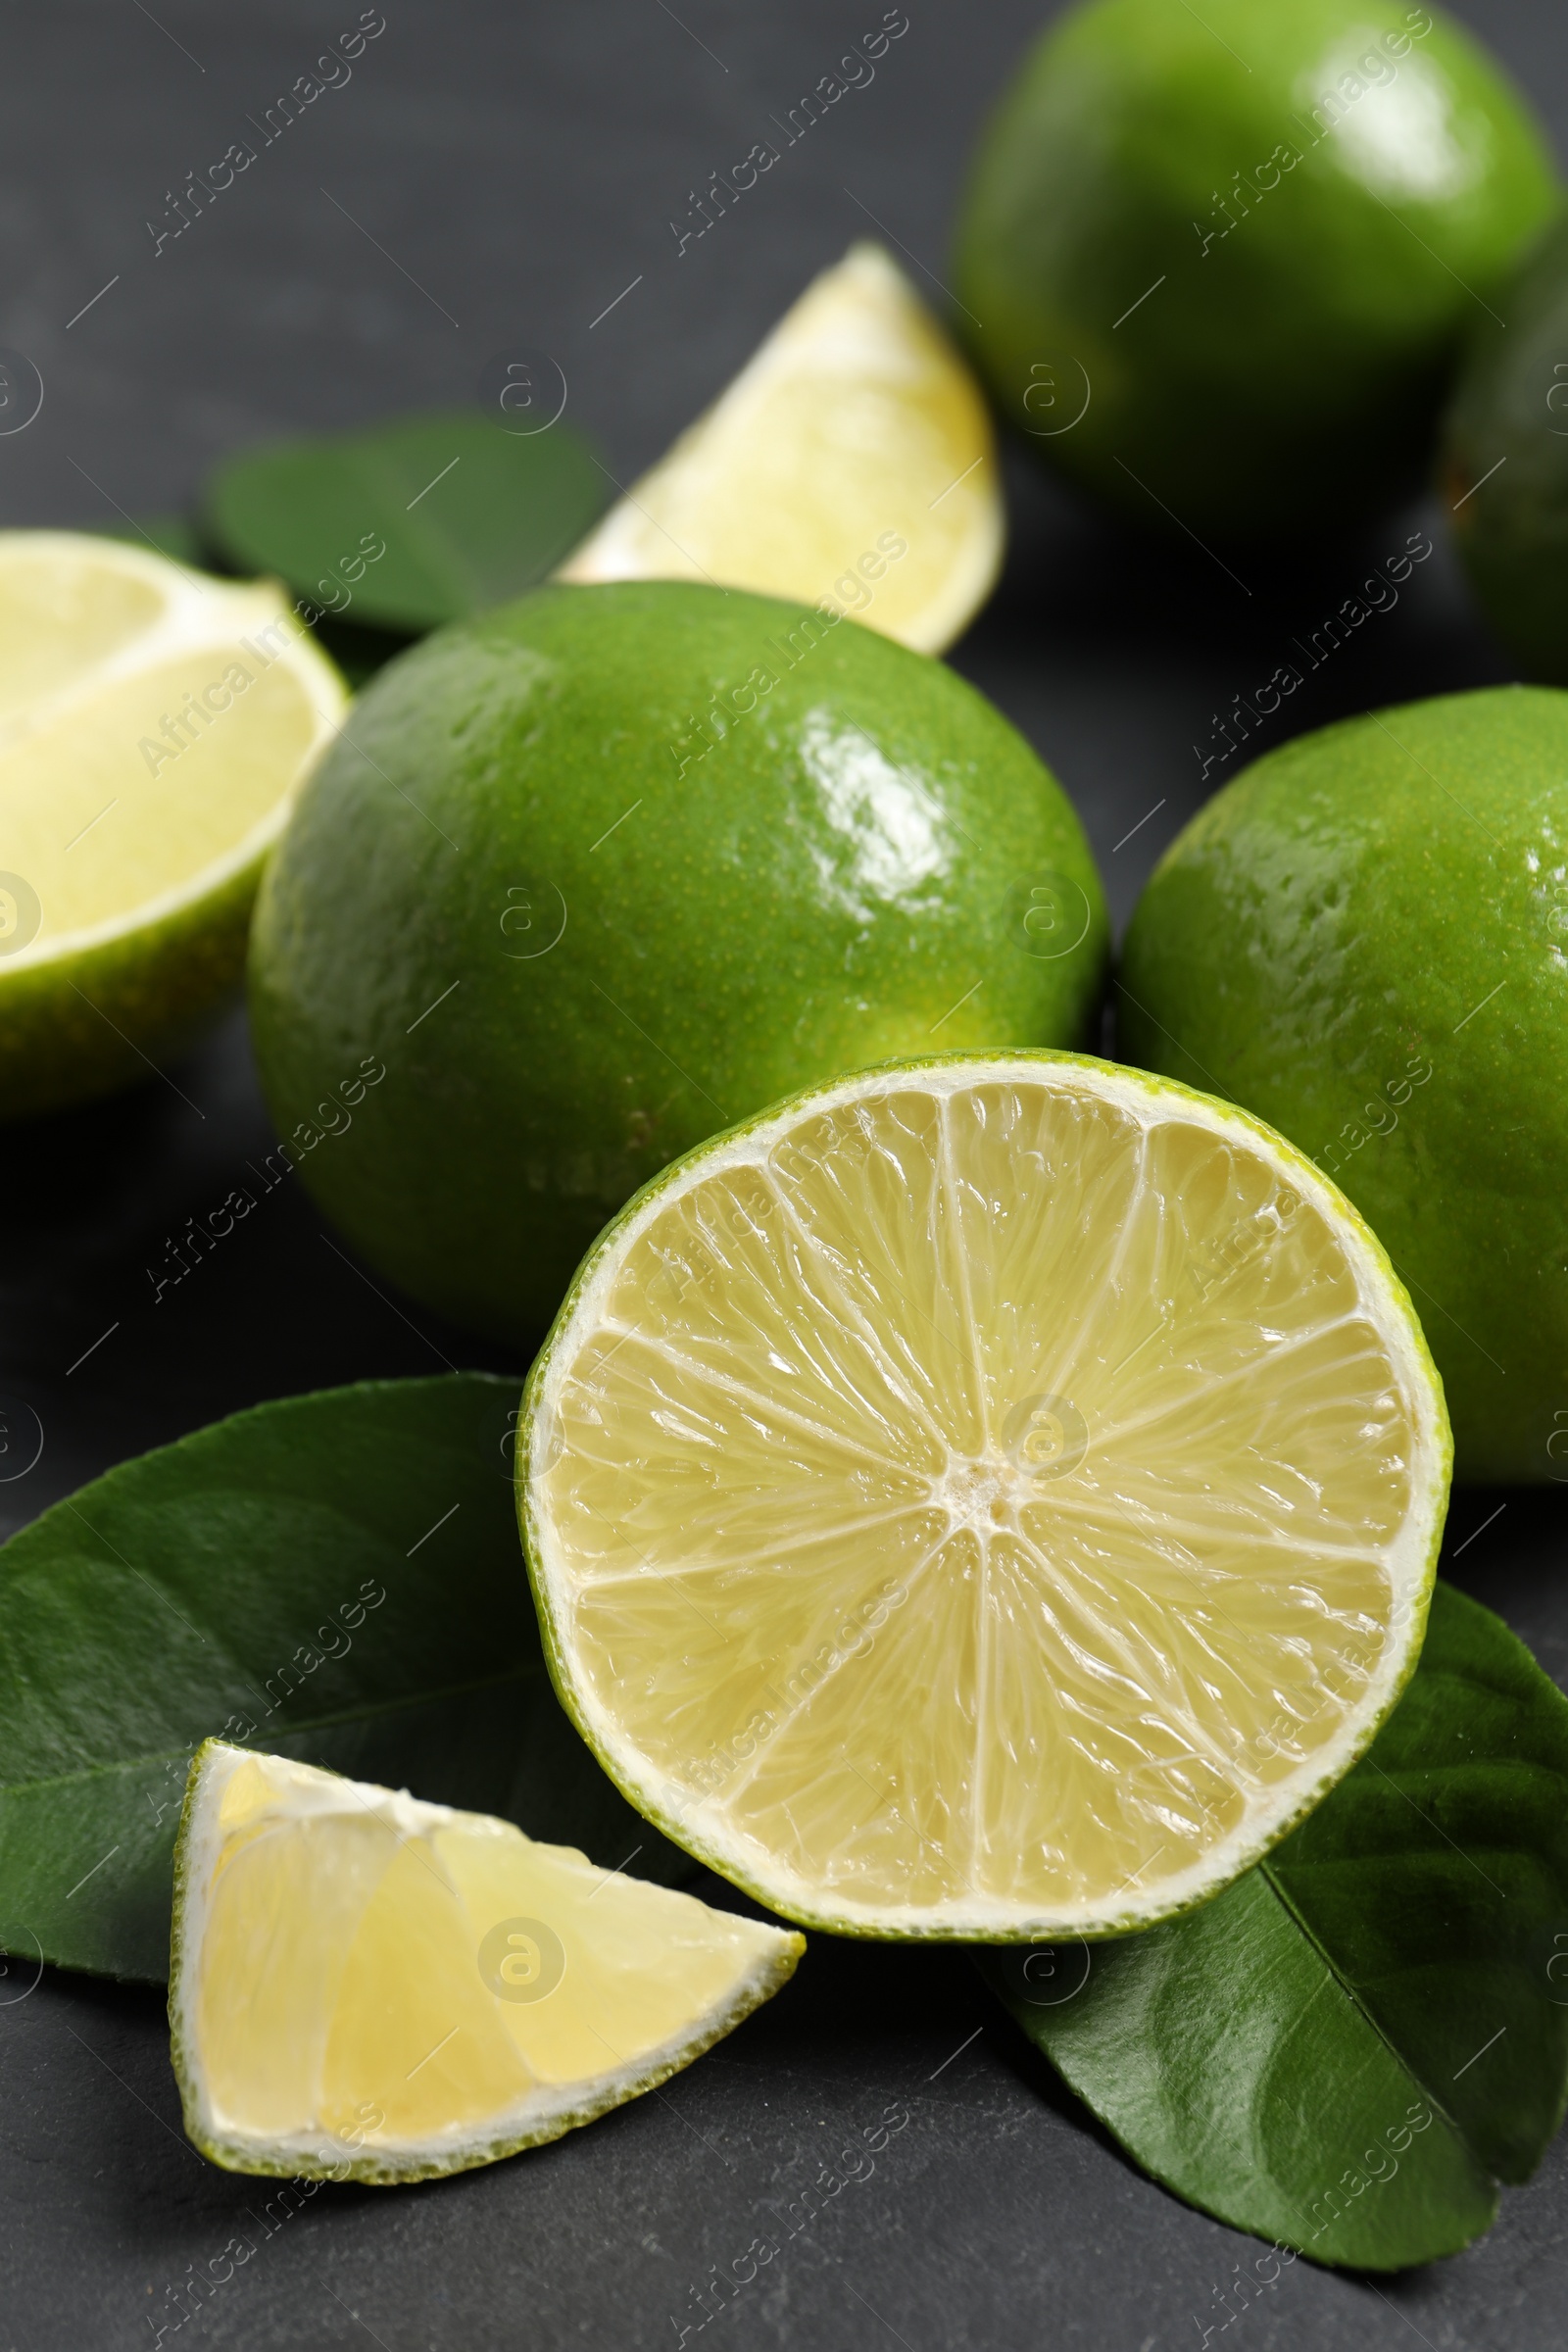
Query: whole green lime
[[1219, 261], [599, 872], [1506, 463], [1364, 939]]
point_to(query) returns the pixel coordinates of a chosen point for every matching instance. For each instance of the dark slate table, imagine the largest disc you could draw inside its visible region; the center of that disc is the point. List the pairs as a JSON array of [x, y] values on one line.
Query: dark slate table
[[495, 175]]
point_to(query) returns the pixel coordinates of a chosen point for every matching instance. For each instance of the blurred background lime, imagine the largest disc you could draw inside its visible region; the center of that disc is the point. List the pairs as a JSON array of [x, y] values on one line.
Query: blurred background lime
[[599, 872], [1364, 939], [1218, 262], [1506, 463]]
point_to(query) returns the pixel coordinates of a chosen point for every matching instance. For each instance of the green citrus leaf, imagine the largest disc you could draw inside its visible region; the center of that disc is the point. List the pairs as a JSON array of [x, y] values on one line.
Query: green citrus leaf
[[336, 1578], [1347, 2049], [465, 512]]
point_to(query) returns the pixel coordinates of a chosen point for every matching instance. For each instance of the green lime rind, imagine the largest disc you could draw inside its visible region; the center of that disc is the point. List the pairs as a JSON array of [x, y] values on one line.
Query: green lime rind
[[613, 888], [382, 2171], [161, 985], [1361, 939], [642, 1788]]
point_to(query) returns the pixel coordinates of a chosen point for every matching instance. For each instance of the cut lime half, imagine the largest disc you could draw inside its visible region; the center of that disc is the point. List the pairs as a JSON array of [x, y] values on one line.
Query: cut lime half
[[154, 725], [992, 1498]]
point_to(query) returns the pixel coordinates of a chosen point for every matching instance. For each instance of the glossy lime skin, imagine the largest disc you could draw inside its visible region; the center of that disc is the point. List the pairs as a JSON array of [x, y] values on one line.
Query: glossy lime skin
[[583, 931], [1286, 374], [1506, 463], [1381, 900]]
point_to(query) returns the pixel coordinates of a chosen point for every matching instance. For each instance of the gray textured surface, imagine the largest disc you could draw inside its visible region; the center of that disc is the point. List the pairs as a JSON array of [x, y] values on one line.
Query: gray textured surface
[[521, 164]]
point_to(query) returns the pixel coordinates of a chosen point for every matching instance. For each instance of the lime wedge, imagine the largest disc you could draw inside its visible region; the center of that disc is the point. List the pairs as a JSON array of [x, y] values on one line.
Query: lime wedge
[[851, 461], [365, 1987]]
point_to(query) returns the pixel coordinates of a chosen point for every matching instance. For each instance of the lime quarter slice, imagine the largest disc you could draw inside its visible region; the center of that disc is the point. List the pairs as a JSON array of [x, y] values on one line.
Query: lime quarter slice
[[850, 464], [363, 1986]]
